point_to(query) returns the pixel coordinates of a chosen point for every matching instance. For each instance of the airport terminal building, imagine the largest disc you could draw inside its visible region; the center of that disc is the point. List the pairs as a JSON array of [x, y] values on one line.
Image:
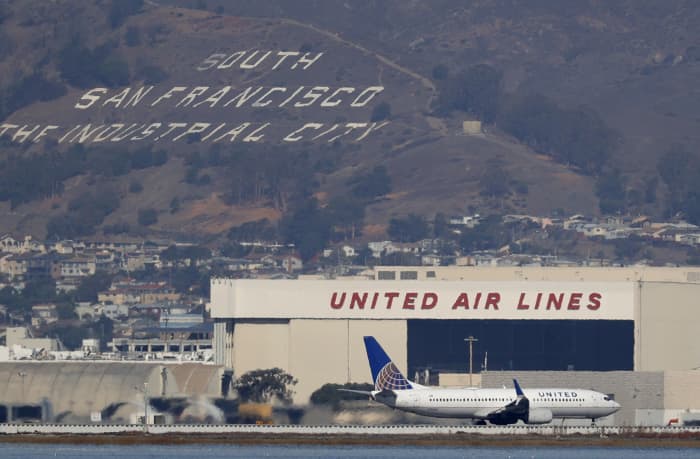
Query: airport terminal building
[[587, 320]]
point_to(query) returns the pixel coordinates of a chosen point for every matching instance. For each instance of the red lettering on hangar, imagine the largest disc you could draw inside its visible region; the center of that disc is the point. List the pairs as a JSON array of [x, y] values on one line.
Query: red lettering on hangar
[[558, 301], [386, 300], [490, 300]]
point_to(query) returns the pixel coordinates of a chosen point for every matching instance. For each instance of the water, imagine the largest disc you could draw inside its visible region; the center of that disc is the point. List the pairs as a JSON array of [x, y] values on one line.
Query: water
[[31, 451]]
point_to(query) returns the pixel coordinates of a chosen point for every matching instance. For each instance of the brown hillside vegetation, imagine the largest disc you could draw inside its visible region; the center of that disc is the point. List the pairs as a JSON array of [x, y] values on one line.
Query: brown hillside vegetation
[[632, 64]]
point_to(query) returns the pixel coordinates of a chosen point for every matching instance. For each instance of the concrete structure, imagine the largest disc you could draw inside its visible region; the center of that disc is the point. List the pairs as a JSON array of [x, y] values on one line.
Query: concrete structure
[[19, 336], [593, 319], [471, 128], [61, 391], [648, 398], [554, 432]]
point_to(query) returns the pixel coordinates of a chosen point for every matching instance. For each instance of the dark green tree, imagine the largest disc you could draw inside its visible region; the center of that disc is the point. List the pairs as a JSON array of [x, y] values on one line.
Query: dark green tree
[[90, 286], [41, 290], [680, 170], [259, 230], [132, 36], [147, 217], [175, 205], [476, 90], [409, 229], [263, 386], [495, 180], [441, 228], [70, 334], [489, 234], [610, 189], [308, 228], [120, 10], [347, 214], [66, 310], [381, 112], [371, 185], [440, 72]]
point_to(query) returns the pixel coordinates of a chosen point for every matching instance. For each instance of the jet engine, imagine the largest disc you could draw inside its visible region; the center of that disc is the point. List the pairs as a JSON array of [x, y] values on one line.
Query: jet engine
[[539, 416]]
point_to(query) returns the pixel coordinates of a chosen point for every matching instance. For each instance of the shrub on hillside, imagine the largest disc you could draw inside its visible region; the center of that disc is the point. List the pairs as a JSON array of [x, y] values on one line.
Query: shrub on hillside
[[147, 217]]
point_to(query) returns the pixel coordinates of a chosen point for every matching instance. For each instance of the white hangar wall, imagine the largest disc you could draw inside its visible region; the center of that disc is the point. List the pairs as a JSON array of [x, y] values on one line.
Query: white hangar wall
[[316, 352], [314, 328], [669, 326], [370, 300]]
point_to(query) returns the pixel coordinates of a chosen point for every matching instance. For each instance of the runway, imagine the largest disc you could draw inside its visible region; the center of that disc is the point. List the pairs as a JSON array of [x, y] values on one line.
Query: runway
[[415, 430]]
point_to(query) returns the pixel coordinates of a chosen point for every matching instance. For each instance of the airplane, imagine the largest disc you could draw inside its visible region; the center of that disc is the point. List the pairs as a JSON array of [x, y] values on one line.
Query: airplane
[[493, 406]]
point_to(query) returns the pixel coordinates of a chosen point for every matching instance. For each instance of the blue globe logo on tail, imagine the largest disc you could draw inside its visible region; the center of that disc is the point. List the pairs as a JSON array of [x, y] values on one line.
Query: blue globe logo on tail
[[385, 374]]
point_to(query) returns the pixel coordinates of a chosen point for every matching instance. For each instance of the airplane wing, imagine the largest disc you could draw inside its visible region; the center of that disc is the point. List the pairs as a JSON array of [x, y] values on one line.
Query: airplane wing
[[361, 392], [510, 413]]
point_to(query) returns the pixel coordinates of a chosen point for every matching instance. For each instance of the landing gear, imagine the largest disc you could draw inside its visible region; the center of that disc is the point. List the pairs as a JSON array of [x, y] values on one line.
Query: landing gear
[[593, 422]]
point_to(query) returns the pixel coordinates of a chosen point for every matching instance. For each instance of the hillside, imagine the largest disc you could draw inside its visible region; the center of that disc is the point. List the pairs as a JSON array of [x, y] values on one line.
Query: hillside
[[240, 151]]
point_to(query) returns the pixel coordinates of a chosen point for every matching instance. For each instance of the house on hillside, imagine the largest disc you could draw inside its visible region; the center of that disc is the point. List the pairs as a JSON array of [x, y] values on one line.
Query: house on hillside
[[11, 245], [77, 267], [44, 314], [14, 265], [468, 221]]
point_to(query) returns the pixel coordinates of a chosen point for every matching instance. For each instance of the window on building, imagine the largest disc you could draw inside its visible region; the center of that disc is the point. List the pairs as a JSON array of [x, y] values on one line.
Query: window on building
[[430, 274], [409, 275], [386, 275]]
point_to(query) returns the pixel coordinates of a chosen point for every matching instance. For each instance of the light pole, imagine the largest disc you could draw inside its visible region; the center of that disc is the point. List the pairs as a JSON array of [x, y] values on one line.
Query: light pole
[[145, 406], [22, 375], [471, 341]]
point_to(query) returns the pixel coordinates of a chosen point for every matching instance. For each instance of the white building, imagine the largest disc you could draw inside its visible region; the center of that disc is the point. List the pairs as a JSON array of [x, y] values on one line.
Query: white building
[[554, 319]]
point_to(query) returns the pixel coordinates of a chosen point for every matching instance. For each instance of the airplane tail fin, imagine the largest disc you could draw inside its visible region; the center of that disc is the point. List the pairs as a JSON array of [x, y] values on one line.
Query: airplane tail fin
[[384, 373], [518, 390]]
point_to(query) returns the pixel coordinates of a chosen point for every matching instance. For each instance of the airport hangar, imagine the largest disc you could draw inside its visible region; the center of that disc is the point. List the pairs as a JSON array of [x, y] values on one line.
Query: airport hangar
[[631, 332]]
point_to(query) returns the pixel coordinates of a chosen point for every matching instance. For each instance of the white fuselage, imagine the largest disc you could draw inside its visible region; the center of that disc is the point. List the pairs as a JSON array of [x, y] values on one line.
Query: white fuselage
[[478, 403]]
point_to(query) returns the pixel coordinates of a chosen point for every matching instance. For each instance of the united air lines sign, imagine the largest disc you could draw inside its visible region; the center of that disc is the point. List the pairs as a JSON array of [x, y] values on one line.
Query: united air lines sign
[[214, 111], [336, 299]]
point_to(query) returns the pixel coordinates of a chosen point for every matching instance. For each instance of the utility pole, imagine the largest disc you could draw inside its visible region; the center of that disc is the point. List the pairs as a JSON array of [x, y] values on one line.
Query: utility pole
[[145, 406], [23, 375], [471, 341]]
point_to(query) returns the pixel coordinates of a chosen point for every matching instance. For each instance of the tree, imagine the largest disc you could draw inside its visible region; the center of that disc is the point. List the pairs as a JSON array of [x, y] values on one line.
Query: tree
[[410, 229], [490, 233], [441, 228], [262, 386], [132, 37], [308, 228], [371, 185], [175, 205], [147, 217], [495, 180], [90, 286], [476, 90], [66, 310], [121, 9], [191, 253], [347, 214], [440, 72], [70, 335], [575, 137], [381, 112], [679, 170], [259, 230], [610, 189]]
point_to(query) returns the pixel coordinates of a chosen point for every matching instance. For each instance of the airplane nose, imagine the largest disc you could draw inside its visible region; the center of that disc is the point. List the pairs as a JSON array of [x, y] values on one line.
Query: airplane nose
[[616, 405]]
